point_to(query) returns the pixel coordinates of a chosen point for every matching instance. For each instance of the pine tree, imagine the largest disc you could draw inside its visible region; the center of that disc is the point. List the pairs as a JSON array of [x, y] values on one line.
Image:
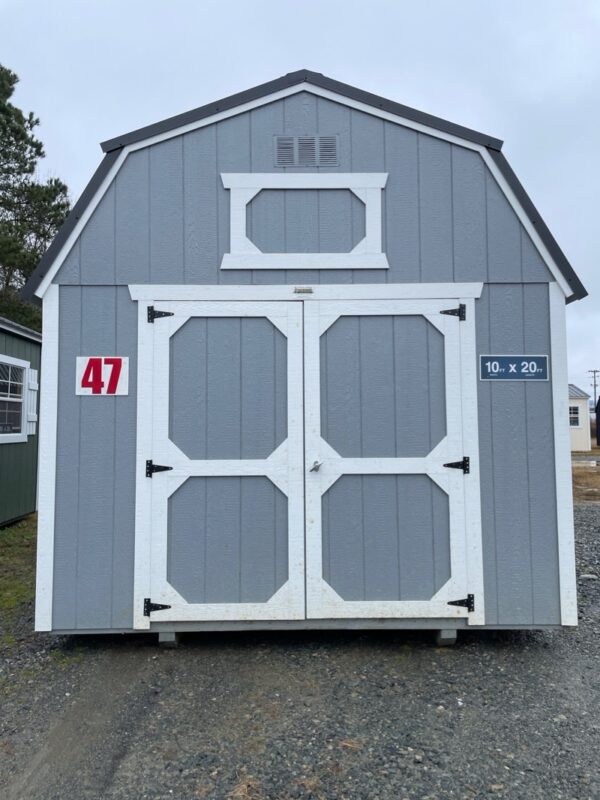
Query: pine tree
[[31, 210]]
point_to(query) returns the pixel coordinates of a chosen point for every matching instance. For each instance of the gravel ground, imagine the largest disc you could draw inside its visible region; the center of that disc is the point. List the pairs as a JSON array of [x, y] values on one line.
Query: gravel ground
[[340, 716]]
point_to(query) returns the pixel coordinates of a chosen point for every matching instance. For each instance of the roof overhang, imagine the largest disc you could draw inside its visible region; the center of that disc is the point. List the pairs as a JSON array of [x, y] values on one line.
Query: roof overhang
[[19, 330], [118, 148]]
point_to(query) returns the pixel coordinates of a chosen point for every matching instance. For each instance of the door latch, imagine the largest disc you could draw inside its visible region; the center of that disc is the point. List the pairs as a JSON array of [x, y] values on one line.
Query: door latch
[[315, 467]]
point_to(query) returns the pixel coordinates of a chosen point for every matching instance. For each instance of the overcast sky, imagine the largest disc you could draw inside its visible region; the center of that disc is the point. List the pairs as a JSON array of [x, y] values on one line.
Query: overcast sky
[[527, 72]]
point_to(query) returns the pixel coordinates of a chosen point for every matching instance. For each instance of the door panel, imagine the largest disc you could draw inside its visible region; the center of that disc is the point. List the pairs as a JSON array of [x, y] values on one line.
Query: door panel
[[386, 537], [226, 522], [341, 412], [228, 387], [375, 373], [386, 521]]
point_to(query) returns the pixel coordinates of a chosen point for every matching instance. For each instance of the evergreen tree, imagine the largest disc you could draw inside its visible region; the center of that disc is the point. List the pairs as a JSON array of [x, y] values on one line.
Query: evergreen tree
[[31, 211]]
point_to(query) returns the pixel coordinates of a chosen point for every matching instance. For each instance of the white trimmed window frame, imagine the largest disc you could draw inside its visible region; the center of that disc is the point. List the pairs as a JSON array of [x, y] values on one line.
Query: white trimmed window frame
[[27, 401], [244, 186], [574, 413]]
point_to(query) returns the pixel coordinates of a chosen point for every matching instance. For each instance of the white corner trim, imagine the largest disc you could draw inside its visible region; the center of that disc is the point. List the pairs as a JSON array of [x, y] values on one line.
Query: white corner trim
[[47, 462], [562, 458], [315, 90], [244, 186], [345, 291]]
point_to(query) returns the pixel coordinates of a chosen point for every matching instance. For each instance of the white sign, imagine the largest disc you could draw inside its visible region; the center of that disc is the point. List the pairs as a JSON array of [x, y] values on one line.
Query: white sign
[[102, 375]]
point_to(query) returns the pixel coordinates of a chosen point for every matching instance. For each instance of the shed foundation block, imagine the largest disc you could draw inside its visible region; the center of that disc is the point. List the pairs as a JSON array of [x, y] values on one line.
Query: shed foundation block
[[445, 637], [168, 639]]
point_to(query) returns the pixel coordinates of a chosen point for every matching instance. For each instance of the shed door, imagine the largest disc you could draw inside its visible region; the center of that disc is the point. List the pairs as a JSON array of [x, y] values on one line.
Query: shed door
[[390, 530], [220, 535]]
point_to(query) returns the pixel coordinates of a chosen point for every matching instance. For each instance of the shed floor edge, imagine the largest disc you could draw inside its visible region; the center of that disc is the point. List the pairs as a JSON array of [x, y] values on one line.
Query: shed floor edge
[[305, 625]]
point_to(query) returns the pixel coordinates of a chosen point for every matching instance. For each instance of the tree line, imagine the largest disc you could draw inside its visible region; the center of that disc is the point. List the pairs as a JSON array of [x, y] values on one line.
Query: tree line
[[32, 209]]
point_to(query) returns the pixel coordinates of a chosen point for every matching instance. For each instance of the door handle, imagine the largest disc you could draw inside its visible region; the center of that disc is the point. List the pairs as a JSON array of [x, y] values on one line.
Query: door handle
[[315, 467]]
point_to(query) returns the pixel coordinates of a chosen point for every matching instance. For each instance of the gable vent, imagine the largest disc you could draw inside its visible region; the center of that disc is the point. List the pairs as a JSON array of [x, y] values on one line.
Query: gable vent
[[328, 151], [306, 151], [284, 156]]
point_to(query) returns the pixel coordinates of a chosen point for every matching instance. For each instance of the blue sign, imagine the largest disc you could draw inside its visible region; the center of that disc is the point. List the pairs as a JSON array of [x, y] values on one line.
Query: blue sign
[[513, 368]]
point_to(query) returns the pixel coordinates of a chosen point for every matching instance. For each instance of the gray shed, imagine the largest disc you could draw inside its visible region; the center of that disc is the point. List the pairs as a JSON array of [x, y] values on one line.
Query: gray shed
[[304, 367]]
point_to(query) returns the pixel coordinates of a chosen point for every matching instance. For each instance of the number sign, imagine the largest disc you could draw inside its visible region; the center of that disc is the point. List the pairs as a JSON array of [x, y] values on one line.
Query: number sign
[[102, 375], [513, 368]]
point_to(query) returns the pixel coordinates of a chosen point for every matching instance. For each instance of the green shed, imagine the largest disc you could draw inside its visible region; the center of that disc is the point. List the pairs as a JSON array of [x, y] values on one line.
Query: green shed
[[20, 350]]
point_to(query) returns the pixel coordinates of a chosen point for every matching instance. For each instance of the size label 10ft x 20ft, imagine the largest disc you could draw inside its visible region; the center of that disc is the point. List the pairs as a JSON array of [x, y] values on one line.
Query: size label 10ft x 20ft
[[513, 368]]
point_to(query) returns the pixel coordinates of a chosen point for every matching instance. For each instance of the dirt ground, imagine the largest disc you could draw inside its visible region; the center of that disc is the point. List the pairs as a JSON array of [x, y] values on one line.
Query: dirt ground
[[586, 481], [328, 716]]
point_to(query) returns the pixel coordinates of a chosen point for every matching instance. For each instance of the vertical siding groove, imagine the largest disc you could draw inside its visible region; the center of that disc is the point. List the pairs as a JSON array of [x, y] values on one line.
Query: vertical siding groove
[[528, 461], [452, 217], [78, 503], [418, 203]]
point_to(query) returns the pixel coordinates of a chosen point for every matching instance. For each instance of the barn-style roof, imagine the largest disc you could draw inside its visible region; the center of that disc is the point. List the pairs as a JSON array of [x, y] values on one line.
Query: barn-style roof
[[114, 147]]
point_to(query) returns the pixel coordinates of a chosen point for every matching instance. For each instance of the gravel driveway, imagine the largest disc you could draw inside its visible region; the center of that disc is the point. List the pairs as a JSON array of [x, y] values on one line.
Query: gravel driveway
[[341, 716]]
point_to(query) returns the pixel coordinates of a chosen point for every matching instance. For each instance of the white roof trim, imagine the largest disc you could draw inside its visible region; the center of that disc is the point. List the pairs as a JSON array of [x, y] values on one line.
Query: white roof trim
[[337, 98]]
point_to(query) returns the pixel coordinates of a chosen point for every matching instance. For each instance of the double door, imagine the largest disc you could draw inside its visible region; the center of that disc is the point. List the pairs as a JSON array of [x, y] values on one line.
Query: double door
[[306, 459]]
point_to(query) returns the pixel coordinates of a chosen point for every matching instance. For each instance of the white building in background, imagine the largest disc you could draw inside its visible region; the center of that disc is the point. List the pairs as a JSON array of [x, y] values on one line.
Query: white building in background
[[579, 419]]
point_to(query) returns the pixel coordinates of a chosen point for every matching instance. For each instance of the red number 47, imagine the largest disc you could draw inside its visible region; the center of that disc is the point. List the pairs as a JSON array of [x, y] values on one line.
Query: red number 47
[[92, 377]]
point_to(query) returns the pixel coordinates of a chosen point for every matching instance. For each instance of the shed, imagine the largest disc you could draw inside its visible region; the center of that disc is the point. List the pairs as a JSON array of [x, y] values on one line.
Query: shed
[[579, 419], [20, 353], [304, 367]]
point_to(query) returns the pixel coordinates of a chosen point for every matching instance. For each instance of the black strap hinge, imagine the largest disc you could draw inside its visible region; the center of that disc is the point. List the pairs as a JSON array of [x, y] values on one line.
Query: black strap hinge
[[468, 602], [149, 607], [465, 465], [151, 468], [154, 314], [460, 312]]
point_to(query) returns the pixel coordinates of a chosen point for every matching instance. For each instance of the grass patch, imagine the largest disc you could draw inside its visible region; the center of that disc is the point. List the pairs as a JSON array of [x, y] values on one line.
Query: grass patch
[[65, 658], [586, 484], [17, 564]]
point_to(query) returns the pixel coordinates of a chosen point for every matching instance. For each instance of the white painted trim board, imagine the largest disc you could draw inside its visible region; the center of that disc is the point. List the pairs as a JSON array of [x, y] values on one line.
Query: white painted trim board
[[47, 462], [562, 458]]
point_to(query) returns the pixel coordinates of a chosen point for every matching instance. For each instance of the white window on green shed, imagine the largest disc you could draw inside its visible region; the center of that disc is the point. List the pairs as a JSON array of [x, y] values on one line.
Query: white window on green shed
[[574, 416], [18, 400]]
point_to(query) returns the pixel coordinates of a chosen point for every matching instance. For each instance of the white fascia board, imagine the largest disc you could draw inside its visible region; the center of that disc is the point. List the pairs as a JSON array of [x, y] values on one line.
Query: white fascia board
[[562, 458], [345, 291], [47, 462], [307, 87]]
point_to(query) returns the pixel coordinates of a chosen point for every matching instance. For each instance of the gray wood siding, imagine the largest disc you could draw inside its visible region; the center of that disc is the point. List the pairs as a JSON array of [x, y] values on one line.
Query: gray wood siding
[[18, 460], [382, 386], [227, 540], [165, 218], [228, 388], [516, 446], [386, 537], [328, 221], [95, 466]]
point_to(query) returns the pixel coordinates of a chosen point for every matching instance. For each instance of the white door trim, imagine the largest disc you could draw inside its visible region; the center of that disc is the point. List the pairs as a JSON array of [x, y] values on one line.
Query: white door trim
[[463, 490], [356, 291], [283, 467]]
